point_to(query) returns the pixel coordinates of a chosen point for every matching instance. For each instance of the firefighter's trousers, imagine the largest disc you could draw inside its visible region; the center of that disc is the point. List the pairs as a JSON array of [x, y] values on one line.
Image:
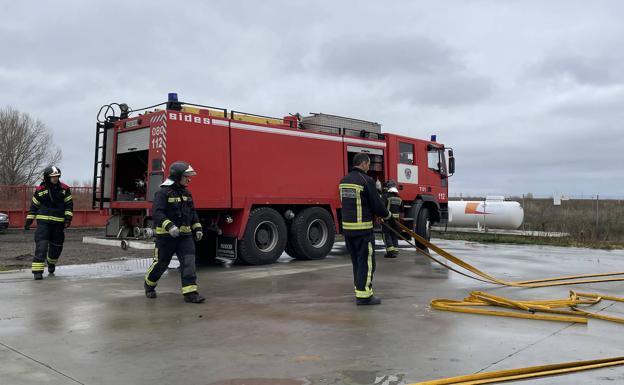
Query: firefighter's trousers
[[390, 240], [362, 250], [184, 248], [49, 238]]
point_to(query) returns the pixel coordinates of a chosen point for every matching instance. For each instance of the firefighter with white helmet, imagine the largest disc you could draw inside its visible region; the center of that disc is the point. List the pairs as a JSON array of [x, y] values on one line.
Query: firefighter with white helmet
[[52, 206], [176, 226], [393, 203]]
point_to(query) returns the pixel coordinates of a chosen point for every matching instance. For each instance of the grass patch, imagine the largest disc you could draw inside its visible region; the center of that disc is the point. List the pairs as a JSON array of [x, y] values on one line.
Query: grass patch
[[9, 267], [527, 240]]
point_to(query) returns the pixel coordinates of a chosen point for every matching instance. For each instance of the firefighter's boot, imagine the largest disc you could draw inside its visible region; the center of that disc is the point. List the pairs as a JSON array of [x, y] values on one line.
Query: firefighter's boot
[[193, 297], [150, 291], [38, 275], [390, 254], [372, 300], [51, 268]]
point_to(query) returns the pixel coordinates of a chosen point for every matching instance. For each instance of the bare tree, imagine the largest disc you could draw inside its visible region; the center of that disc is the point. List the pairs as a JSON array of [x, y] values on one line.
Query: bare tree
[[26, 148]]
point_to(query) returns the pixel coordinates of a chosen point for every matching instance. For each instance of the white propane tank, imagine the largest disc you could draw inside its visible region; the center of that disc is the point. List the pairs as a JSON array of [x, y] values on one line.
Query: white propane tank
[[493, 213]]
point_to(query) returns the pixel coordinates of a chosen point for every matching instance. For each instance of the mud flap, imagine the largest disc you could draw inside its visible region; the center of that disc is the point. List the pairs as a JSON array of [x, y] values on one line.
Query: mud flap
[[226, 247]]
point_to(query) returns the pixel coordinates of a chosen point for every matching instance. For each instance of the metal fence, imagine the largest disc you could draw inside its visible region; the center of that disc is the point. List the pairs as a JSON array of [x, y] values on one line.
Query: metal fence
[[15, 201]]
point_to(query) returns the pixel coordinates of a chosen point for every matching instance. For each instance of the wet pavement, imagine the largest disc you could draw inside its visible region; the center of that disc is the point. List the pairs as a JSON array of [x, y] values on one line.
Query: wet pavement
[[295, 322]]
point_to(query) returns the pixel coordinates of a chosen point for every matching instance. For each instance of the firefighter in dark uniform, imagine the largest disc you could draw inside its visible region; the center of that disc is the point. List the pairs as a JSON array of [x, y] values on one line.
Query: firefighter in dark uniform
[[52, 206], [360, 203], [392, 201], [176, 226]]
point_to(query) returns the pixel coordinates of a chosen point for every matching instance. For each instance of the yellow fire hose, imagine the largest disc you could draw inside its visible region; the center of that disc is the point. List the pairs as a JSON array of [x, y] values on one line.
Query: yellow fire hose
[[484, 277], [480, 299], [524, 373]]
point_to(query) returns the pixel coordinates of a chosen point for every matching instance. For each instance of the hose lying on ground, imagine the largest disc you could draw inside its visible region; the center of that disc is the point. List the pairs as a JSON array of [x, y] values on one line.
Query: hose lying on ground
[[484, 277], [556, 308], [523, 373]]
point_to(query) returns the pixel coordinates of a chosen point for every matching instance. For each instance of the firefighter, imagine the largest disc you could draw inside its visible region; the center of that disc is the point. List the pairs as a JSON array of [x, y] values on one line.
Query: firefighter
[[176, 225], [392, 201], [52, 206], [360, 203]]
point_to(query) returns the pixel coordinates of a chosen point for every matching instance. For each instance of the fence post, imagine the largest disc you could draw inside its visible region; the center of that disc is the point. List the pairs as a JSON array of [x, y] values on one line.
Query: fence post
[[24, 203]]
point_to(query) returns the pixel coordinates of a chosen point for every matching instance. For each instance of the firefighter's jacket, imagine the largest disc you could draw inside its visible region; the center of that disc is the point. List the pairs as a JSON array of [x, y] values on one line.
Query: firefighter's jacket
[[360, 203], [52, 203], [173, 205], [392, 202]]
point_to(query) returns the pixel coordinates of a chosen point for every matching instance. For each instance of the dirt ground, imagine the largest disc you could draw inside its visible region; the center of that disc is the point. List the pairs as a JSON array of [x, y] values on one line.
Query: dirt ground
[[18, 246]]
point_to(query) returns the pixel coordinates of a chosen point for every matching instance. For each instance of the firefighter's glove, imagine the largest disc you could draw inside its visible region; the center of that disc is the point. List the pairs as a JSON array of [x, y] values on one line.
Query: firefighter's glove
[[28, 223], [67, 222], [199, 235], [174, 231]]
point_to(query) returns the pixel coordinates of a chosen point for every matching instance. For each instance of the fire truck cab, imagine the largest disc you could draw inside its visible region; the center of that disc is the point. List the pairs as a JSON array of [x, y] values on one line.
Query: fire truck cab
[[264, 185]]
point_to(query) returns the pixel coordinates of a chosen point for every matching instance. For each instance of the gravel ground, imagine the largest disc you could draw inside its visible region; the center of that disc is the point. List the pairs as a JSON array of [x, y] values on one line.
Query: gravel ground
[[18, 246]]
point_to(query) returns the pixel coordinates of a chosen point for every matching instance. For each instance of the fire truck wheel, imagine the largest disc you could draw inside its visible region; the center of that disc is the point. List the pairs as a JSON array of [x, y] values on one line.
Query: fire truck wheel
[[311, 234], [423, 224], [290, 251], [265, 237]]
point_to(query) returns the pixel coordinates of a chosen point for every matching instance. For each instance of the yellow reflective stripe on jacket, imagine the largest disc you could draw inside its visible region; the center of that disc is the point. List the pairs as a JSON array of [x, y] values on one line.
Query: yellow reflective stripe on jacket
[[49, 218], [356, 187], [357, 225], [36, 201], [42, 192], [397, 215], [358, 197], [165, 223], [178, 199], [69, 213], [358, 206], [196, 225], [189, 289], [67, 199], [30, 216], [183, 229], [161, 230]]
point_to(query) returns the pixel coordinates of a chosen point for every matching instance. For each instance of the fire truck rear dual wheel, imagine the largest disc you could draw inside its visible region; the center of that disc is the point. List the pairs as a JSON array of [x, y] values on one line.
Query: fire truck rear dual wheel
[[265, 237], [311, 234]]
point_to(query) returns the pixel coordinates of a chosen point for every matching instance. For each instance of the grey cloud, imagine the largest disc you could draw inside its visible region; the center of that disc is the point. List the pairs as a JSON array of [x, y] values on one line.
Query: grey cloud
[[589, 69], [407, 68], [385, 56]]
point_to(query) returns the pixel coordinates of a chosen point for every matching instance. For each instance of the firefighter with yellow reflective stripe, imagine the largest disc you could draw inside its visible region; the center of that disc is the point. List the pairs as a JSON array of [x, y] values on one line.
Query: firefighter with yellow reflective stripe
[[52, 206], [393, 203], [360, 203], [176, 226]]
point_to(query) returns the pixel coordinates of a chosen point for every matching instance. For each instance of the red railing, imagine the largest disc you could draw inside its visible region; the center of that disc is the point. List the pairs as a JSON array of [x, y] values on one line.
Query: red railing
[[15, 201]]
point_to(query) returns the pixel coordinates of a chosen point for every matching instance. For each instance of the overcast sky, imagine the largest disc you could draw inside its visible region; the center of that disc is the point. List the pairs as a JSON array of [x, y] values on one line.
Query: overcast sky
[[530, 94]]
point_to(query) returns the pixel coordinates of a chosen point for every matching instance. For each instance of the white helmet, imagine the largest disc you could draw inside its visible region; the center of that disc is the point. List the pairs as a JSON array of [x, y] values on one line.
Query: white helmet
[[393, 190]]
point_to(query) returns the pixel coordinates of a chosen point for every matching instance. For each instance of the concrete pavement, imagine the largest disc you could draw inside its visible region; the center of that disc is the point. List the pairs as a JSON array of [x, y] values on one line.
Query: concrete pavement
[[295, 323]]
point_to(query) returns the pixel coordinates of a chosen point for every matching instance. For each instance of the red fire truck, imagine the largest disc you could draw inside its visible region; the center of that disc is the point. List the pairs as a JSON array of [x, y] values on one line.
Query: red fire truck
[[264, 185]]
